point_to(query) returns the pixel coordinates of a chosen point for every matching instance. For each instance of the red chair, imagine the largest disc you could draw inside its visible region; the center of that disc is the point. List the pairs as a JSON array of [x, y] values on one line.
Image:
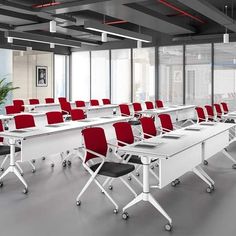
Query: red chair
[[225, 107], [94, 102], [219, 112], [106, 101], [19, 104], [124, 110], [99, 150], [210, 113], [159, 104], [201, 117], [166, 122], [49, 100], [80, 104], [62, 99], [54, 117], [148, 127], [65, 107], [12, 110], [77, 114], [149, 105], [33, 101]]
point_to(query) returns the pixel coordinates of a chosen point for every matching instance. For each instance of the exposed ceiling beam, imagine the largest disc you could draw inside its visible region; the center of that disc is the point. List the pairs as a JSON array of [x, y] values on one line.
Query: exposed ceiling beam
[[31, 27], [210, 11]]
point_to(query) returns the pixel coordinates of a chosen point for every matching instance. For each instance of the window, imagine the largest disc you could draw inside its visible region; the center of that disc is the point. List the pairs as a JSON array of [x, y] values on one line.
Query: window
[[121, 75], [80, 83], [171, 74], [60, 65], [225, 73], [198, 74], [100, 73], [144, 74]]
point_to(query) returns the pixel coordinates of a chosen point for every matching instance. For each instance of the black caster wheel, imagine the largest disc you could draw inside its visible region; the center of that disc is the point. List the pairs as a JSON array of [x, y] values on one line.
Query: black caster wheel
[[137, 174], [157, 165], [212, 187], [234, 166], [129, 178], [33, 170], [173, 184], [115, 211], [177, 181], [102, 192], [64, 163], [168, 227], [25, 190], [67, 152], [1, 184], [209, 190], [21, 174], [152, 167], [69, 163], [205, 162], [33, 161], [110, 187], [78, 203], [125, 216], [1, 169], [43, 158], [52, 165], [110, 149]]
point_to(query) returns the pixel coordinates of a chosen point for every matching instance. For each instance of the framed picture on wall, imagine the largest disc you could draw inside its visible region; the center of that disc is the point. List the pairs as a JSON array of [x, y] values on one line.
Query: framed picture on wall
[[41, 76]]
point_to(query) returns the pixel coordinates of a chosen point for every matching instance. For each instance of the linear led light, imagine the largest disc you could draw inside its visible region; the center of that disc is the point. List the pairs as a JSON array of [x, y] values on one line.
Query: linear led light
[[103, 28]]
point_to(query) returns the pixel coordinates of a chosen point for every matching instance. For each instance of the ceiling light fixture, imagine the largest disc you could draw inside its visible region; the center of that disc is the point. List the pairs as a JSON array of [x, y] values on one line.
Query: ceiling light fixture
[[226, 35], [9, 39], [52, 45], [53, 26], [139, 44], [29, 48], [96, 26], [104, 37]]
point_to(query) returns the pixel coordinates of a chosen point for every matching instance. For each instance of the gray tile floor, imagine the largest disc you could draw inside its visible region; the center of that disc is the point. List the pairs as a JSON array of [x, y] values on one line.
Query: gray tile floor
[[49, 208]]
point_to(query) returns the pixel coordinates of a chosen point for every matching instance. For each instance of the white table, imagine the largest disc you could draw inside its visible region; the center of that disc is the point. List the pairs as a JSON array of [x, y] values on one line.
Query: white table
[[52, 139], [98, 111], [178, 156]]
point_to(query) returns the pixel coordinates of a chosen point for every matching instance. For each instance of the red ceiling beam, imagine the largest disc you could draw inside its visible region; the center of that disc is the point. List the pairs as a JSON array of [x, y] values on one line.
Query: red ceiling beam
[[50, 4], [115, 22]]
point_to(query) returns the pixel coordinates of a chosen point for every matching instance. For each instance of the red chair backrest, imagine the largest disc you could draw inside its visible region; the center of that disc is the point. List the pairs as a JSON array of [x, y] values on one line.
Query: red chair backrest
[[1, 130], [137, 106], [218, 110], [77, 114], [94, 102], [49, 100], [210, 112], [80, 103], [149, 105], [24, 121], [124, 133], [19, 104], [148, 126], [33, 101], [225, 107], [65, 107], [166, 122], [12, 109], [200, 114], [62, 99], [106, 101], [100, 146], [159, 104], [124, 110], [54, 117]]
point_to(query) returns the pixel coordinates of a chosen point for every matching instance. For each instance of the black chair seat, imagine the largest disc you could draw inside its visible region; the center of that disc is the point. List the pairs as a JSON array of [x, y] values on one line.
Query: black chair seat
[[134, 122], [113, 169], [135, 159], [5, 150]]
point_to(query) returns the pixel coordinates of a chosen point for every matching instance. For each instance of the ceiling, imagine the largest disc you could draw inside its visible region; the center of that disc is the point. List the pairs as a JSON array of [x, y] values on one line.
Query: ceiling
[[157, 18]]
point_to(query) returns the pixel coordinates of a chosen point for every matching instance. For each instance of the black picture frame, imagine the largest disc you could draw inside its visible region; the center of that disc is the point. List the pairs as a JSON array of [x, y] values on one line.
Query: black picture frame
[[41, 76]]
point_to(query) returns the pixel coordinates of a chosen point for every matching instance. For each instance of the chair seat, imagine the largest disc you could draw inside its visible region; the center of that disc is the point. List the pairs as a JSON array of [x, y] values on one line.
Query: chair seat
[[113, 169], [5, 150], [136, 159]]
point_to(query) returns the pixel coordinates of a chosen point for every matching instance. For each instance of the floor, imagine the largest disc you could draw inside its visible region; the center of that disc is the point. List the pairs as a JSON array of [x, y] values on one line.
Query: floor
[[50, 209]]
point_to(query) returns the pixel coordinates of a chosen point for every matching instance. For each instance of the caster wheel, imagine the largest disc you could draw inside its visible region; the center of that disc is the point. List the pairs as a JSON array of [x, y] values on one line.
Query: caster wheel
[[102, 192], [173, 184], [137, 174], [25, 191], [110, 149], [110, 187], [69, 163], [52, 165], [129, 178], [33, 161], [33, 170], [234, 166], [177, 181], [43, 158], [78, 203], [115, 211], [209, 190], [67, 152], [157, 165], [1, 169], [205, 163], [212, 187], [1, 184], [21, 174], [125, 216], [168, 227], [151, 167], [64, 163]]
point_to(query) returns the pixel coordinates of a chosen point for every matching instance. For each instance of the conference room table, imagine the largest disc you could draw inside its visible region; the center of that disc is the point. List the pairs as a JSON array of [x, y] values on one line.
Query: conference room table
[[52, 139], [178, 152]]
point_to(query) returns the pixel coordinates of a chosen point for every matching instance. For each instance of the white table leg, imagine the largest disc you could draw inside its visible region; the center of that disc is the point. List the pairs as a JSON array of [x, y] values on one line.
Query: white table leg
[[230, 157]]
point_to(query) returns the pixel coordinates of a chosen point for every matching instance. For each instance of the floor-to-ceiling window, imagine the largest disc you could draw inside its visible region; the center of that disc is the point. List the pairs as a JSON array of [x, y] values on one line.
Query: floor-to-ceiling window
[[80, 81], [198, 74], [171, 74], [121, 75], [225, 73], [143, 74], [100, 73]]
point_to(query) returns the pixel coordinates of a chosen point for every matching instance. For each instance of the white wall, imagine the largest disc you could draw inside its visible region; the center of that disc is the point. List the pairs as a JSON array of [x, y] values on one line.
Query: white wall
[[24, 75]]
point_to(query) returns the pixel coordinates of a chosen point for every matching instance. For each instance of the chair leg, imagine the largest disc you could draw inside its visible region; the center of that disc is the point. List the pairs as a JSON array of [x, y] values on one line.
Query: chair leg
[[19, 168], [32, 165], [128, 186], [3, 162]]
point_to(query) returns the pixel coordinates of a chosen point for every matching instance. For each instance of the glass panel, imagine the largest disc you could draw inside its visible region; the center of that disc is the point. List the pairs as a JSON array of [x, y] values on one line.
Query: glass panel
[[100, 73], [121, 76], [171, 74], [225, 73], [144, 74], [198, 74], [80, 82]]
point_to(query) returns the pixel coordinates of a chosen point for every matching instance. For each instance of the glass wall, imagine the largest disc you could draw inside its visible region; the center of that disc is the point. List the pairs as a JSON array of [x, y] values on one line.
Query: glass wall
[[144, 74], [100, 73], [171, 74], [121, 75], [80, 73], [198, 74], [225, 73]]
